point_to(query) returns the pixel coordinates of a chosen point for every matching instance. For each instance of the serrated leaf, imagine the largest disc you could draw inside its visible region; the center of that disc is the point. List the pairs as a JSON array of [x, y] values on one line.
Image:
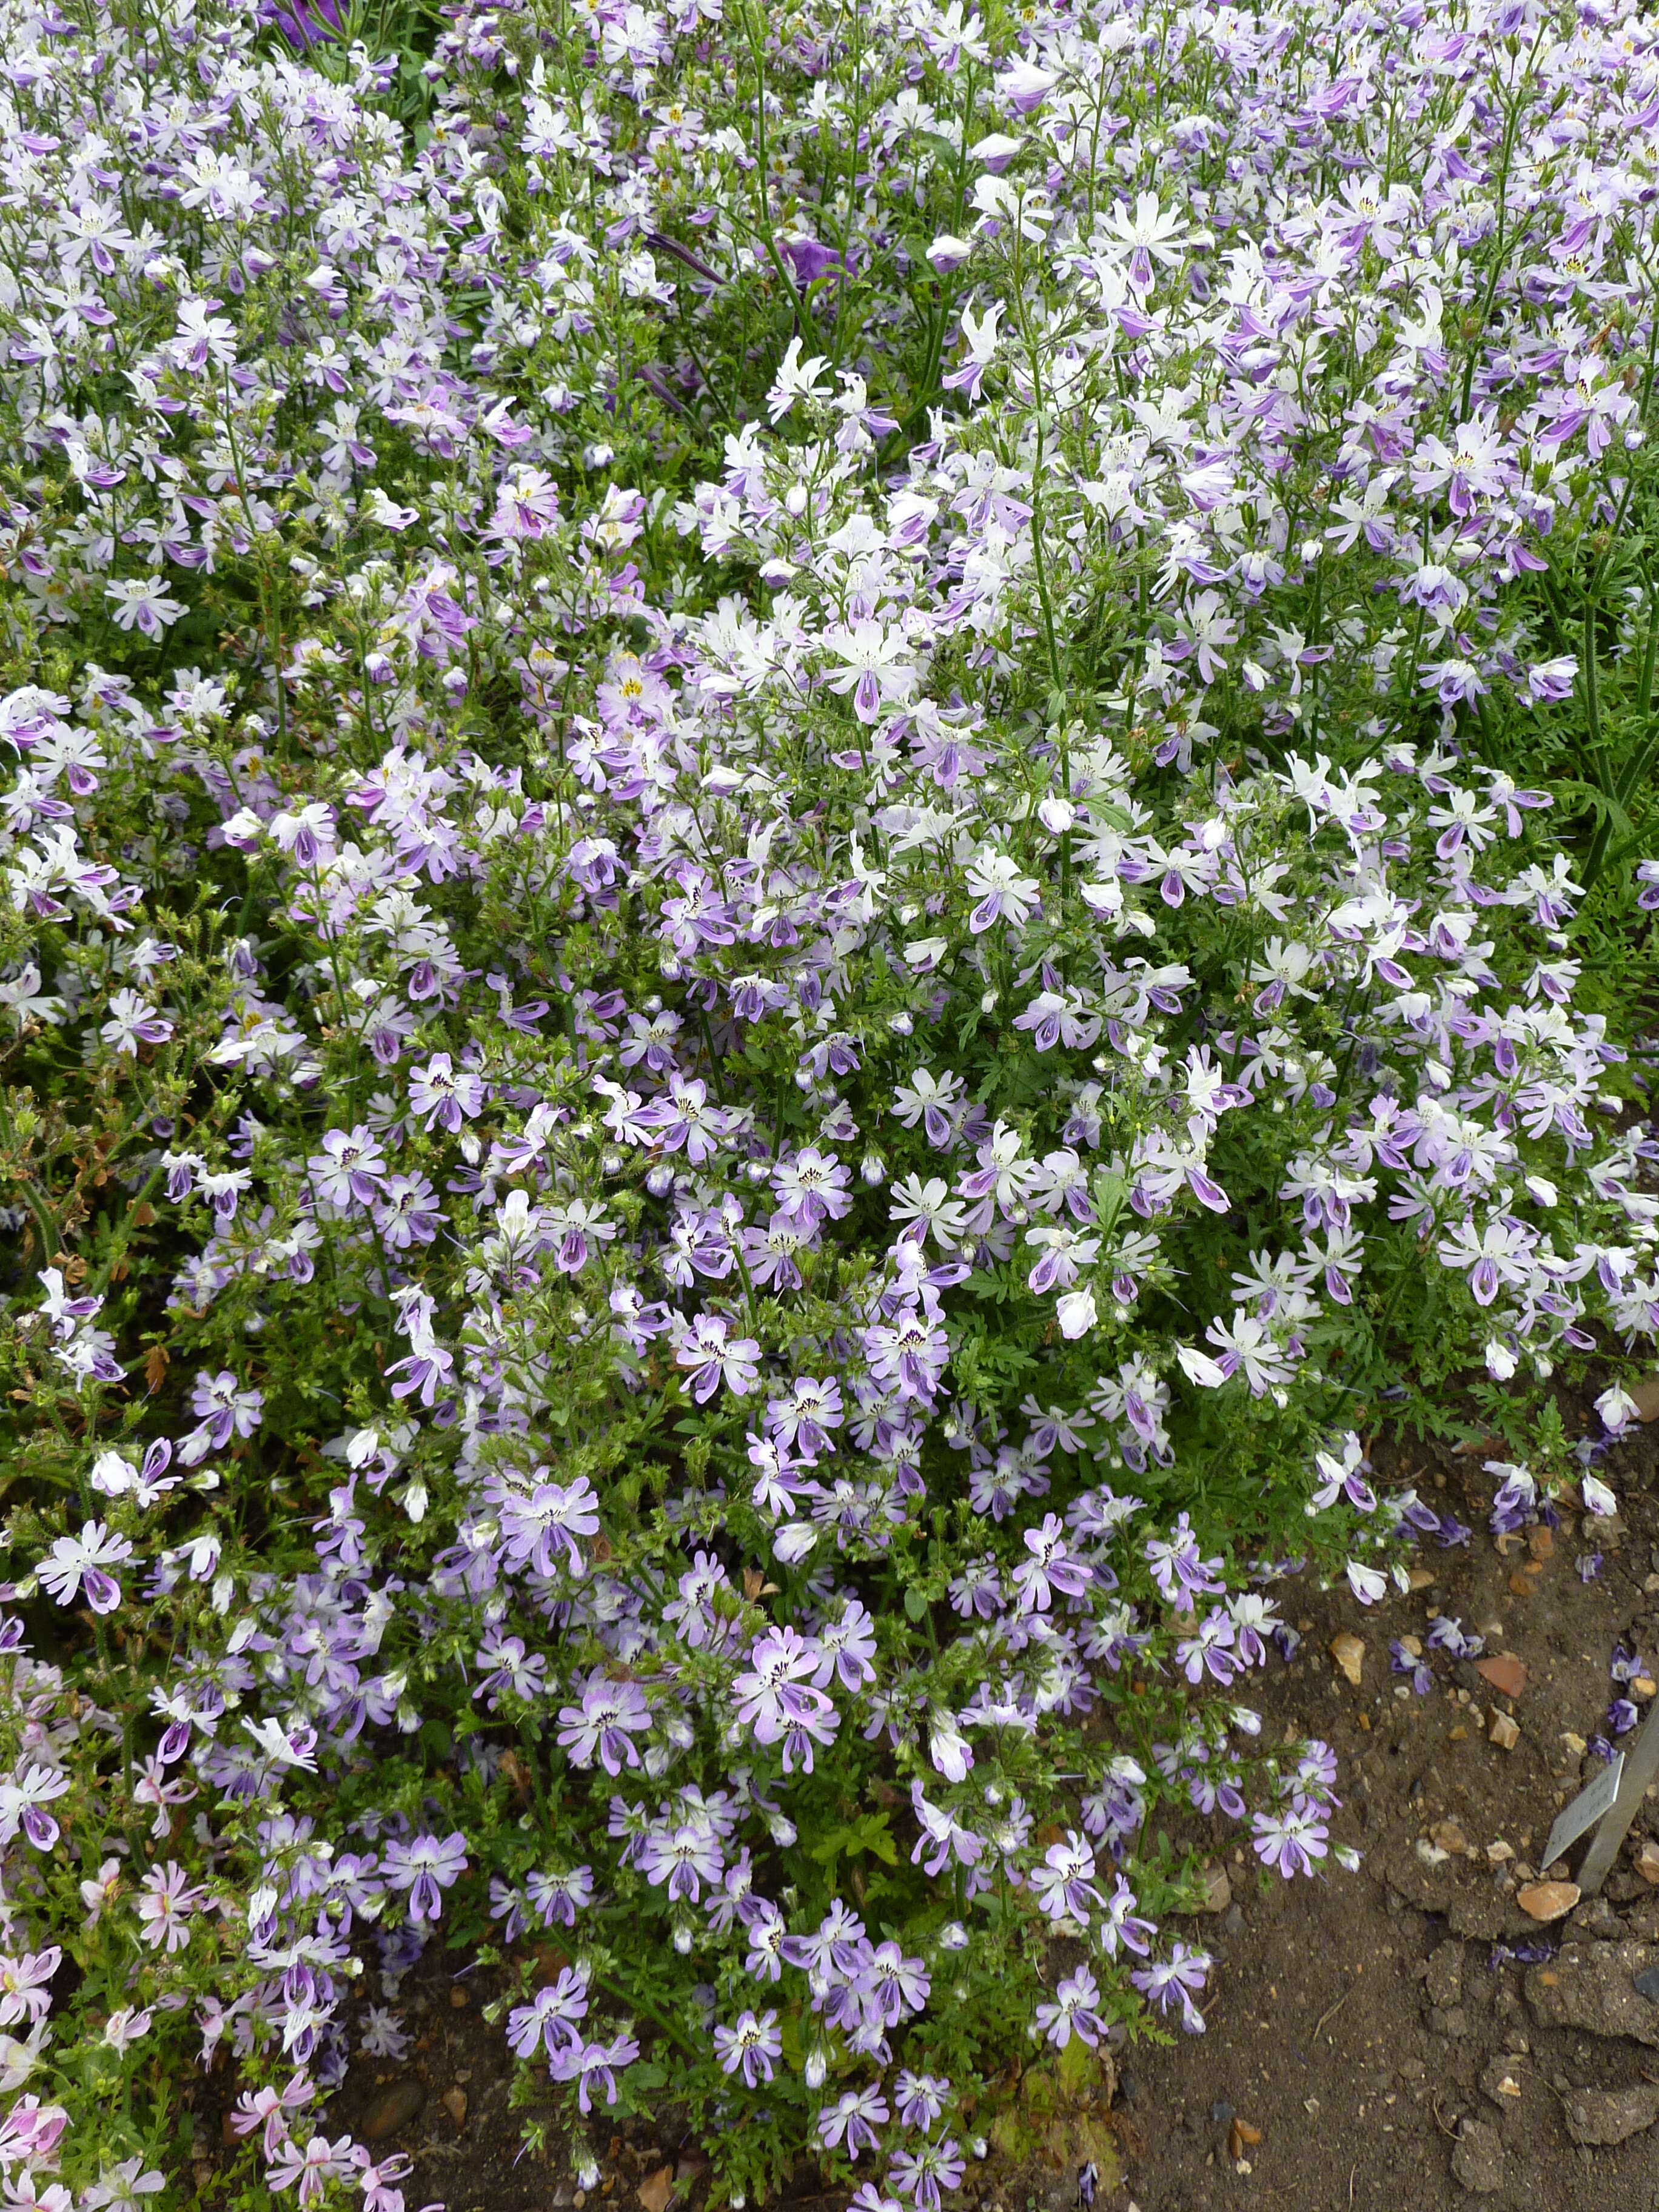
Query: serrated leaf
[[1077, 2069]]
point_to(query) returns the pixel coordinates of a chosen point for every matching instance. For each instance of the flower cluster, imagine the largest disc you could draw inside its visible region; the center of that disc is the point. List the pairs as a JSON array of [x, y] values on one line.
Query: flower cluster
[[772, 944]]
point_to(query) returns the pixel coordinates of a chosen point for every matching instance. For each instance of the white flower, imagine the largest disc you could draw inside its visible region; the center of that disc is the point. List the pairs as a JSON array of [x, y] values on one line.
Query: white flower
[[1618, 1409], [377, 508], [948, 1747], [1198, 1367], [1003, 892], [142, 603], [796, 380], [1367, 1585], [948, 252], [1597, 1498], [1151, 233], [931, 1204]]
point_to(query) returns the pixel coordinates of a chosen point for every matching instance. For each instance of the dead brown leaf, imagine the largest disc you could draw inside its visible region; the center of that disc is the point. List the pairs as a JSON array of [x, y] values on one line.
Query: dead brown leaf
[[656, 2188]]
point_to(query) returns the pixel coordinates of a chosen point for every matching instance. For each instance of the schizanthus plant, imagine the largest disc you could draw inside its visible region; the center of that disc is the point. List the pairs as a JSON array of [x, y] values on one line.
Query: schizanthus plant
[[776, 939]]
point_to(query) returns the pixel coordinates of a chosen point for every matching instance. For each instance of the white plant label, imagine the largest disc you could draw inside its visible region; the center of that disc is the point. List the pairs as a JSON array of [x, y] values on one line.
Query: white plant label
[[1585, 1810]]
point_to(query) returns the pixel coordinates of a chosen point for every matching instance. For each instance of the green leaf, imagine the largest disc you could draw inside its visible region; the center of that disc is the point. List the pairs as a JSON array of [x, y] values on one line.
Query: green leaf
[[873, 1838], [868, 1833], [1110, 1193], [915, 1604], [1076, 2067]]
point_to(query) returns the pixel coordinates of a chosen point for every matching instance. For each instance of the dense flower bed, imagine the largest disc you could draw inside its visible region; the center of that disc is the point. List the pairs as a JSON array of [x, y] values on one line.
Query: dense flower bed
[[772, 950]]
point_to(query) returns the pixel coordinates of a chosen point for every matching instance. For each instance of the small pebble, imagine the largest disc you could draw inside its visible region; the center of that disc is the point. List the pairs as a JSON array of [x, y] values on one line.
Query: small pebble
[[1547, 1900], [393, 2108]]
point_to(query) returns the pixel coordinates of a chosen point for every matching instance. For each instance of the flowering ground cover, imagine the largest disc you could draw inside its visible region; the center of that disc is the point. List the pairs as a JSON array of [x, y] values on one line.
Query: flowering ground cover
[[826, 829]]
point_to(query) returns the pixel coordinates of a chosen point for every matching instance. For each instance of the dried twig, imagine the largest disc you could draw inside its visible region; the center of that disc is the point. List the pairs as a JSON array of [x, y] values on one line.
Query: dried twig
[[1331, 2013]]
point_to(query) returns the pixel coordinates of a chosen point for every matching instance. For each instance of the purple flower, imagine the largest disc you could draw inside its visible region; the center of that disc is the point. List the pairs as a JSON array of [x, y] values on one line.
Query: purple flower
[[894, 1985], [922, 2173], [540, 1529], [683, 1857], [1290, 1838], [603, 1727], [1073, 2011], [1177, 1979], [1050, 1569], [593, 2067], [847, 1650], [851, 2124], [1446, 1634], [1064, 1883], [349, 1170], [551, 2020], [446, 1095], [774, 1699], [1178, 1567], [426, 1867], [812, 1187], [557, 1898], [307, 23], [911, 1353], [750, 2045], [708, 1347], [1122, 1925], [810, 260], [920, 2097], [1211, 1649], [224, 1410]]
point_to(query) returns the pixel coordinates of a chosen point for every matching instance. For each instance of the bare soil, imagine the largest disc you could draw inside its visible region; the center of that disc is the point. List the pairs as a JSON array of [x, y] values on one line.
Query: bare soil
[[1364, 2025]]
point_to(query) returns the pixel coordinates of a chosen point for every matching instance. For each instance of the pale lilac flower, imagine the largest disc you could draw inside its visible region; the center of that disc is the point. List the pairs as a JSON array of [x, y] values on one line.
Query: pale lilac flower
[[1064, 1883], [921, 2174], [708, 1347], [132, 1022], [310, 2168], [446, 1095], [1073, 2012], [851, 2124], [24, 1979], [1049, 1569], [141, 603], [164, 1903], [1177, 1979], [604, 1726], [750, 2045], [1290, 1838]]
